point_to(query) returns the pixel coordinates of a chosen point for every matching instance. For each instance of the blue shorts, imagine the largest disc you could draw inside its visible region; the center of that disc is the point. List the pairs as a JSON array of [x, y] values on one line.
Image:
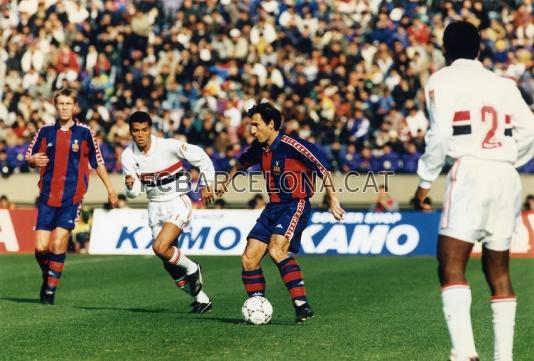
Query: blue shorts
[[49, 218], [288, 219]]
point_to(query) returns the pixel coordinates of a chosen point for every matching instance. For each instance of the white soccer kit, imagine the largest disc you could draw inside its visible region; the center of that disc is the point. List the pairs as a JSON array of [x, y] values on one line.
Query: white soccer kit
[[480, 122], [160, 173]]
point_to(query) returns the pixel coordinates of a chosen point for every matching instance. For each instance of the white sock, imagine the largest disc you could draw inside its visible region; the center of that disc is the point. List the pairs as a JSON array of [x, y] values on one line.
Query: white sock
[[503, 310], [202, 297], [456, 301], [181, 260]]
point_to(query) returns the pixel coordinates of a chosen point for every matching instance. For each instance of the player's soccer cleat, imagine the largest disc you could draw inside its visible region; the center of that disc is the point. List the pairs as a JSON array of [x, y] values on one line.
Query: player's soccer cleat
[[48, 297], [303, 312], [195, 281], [199, 307]]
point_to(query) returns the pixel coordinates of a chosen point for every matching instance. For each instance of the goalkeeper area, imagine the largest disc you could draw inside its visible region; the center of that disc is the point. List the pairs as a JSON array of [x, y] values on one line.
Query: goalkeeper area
[[127, 308]]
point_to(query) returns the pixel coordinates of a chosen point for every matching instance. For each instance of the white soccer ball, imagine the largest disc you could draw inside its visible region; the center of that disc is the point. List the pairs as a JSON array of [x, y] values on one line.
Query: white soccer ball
[[257, 310]]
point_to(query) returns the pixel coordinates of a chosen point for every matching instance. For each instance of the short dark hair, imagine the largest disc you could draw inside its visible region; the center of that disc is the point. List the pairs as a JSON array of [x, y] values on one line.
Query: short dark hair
[[461, 39], [139, 117], [71, 93], [268, 113]]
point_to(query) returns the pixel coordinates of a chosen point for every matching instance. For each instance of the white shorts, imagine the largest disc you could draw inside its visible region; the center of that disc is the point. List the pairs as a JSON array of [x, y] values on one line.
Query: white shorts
[[177, 211], [482, 202]]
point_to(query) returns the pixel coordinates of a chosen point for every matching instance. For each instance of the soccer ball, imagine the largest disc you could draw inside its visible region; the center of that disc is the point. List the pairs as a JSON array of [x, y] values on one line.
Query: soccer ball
[[257, 310]]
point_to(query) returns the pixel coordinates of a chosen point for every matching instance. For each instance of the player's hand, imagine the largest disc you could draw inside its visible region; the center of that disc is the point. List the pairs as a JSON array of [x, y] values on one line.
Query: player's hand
[[420, 197], [113, 199], [206, 195], [38, 160], [129, 181], [335, 208]]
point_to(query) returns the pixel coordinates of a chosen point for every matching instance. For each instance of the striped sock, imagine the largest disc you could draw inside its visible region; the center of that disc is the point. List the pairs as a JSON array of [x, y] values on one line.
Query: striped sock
[[181, 260], [55, 267], [42, 260], [254, 282], [292, 277]]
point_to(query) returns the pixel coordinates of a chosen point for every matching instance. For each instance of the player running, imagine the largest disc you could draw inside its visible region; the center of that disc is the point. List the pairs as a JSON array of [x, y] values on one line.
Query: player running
[[290, 166], [480, 121], [155, 164], [63, 152]]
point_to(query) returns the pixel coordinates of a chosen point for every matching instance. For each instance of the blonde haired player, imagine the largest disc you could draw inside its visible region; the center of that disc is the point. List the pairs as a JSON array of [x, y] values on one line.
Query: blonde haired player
[[155, 164], [480, 121]]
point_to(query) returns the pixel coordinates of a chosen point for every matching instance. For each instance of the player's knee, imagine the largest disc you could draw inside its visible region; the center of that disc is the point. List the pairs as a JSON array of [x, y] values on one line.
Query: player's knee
[[249, 263], [277, 253], [159, 248]]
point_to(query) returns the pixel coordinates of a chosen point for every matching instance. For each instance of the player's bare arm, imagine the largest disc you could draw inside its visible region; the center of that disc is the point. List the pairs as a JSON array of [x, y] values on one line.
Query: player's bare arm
[[112, 195], [420, 195], [222, 187], [333, 202]]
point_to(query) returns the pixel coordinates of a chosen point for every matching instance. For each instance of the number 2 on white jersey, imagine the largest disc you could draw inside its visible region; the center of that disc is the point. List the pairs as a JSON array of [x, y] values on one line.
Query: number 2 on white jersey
[[487, 114]]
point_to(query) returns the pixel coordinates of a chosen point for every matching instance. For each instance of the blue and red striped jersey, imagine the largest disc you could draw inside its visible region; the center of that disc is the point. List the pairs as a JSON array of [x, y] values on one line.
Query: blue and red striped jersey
[[289, 165], [65, 178]]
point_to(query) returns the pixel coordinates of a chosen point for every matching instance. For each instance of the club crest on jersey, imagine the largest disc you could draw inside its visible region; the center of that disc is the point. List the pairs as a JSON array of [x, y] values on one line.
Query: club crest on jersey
[[75, 146], [276, 169]]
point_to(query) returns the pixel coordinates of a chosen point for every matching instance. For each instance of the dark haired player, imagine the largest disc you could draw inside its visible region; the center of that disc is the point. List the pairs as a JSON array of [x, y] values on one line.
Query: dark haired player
[[155, 164], [290, 166], [63, 152], [480, 121]]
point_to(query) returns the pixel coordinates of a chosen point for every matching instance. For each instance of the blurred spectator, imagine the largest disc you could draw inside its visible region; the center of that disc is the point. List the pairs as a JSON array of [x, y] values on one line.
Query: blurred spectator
[[257, 202], [6, 204], [384, 202], [82, 231], [123, 201], [194, 191], [342, 72], [528, 205], [219, 204]]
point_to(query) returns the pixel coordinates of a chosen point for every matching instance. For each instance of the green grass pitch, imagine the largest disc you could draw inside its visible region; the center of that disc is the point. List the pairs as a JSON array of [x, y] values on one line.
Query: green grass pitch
[[127, 308]]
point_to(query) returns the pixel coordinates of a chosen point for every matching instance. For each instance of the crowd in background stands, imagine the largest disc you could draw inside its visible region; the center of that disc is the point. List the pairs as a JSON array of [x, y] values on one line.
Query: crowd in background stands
[[347, 75]]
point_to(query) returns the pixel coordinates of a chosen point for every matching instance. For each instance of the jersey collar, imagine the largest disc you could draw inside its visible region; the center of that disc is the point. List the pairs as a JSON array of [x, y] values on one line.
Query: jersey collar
[[58, 125], [463, 61], [275, 143]]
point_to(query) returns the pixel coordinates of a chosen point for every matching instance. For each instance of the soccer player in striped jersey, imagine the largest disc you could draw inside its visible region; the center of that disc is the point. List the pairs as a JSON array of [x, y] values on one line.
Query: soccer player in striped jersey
[[155, 164], [290, 166], [480, 121], [63, 152]]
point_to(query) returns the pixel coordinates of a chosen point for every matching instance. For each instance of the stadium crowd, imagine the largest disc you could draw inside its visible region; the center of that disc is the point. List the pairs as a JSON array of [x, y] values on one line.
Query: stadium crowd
[[347, 74]]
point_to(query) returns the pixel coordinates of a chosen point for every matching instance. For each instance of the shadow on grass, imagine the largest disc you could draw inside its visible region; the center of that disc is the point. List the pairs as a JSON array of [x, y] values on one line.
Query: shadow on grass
[[20, 299], [240, 322], [132, 309]]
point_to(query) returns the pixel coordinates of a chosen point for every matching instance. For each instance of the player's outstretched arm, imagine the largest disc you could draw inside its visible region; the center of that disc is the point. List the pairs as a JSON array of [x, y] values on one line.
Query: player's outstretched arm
[[112, 195], [333, 202], [199, 158], [222, 187], [129, 170]]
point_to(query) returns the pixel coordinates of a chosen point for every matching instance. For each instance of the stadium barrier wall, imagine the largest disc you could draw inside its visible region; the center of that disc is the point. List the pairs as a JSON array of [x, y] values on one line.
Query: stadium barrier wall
[[216, 232]]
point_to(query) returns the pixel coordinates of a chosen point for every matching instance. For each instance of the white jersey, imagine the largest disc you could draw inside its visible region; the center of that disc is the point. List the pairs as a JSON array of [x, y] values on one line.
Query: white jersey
[[475, 113], [160, 171]]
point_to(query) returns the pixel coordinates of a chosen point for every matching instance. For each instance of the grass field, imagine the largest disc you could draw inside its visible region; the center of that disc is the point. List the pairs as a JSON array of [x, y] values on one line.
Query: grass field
[[127, 308]]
